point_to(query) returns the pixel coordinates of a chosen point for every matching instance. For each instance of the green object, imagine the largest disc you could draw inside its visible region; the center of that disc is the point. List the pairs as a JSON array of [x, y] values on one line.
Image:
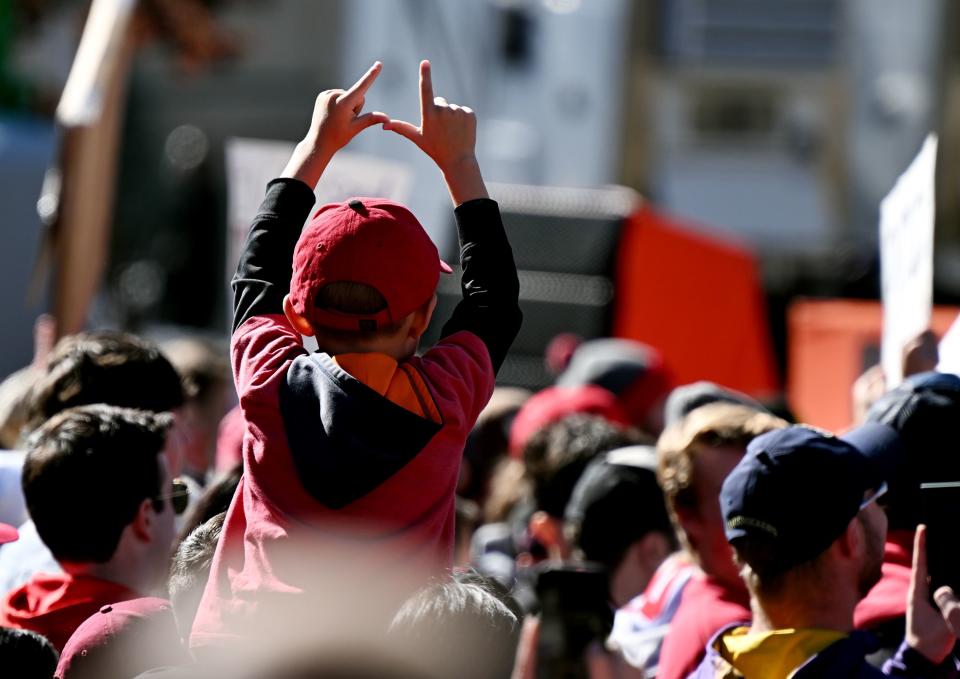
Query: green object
[[14, 92]]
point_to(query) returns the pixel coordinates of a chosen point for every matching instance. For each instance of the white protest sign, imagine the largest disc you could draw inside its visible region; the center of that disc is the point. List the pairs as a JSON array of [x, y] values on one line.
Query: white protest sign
[[251, 163], [906, 259], [949, 350]]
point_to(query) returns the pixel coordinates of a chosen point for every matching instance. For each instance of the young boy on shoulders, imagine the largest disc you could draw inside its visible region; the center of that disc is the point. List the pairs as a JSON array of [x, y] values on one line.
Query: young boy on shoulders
[[361, 440]]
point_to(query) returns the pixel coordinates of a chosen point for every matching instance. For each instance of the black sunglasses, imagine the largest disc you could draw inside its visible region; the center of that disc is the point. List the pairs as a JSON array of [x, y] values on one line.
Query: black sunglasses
[[179, 496]]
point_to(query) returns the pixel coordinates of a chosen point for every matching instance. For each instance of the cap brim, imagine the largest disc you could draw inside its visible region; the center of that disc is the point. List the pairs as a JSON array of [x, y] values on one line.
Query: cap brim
[[880, 443], [8, 534], [445, 268]]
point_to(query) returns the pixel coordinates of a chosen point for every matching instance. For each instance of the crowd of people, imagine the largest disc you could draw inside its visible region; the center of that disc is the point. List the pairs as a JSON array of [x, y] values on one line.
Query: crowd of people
[[374, 510]]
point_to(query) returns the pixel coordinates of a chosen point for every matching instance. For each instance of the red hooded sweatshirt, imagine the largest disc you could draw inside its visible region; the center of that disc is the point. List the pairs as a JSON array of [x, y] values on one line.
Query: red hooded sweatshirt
[[55, 605]]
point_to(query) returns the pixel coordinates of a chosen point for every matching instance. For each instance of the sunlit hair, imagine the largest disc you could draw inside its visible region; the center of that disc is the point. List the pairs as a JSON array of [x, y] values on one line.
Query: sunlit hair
[[713, 425]]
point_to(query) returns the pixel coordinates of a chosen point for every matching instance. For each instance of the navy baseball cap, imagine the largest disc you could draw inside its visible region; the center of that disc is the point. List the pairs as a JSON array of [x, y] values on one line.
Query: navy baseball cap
[[797, 488]]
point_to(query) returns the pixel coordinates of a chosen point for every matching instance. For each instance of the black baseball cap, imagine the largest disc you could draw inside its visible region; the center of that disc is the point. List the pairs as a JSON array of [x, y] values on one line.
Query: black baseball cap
[[925, 411], [685, 399], [797, 488], [616, 502]]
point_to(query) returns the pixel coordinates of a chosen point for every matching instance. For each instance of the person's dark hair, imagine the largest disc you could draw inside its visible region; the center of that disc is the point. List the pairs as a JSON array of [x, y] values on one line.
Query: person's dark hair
[[468, 624], [105, 367], [86, 473], [26, 655], [189, 570], [215, 500], [556, 456]]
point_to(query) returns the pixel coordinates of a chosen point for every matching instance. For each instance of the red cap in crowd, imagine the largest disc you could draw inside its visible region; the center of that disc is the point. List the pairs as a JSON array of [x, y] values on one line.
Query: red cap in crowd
[[123, 640], [373, 241], [555, 403]]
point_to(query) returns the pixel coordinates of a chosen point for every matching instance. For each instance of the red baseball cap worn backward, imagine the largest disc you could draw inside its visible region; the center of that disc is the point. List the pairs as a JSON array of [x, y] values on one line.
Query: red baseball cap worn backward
[[373, 241]]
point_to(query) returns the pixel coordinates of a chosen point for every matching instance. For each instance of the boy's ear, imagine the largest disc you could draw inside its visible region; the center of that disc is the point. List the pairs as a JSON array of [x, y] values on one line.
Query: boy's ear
[[422, 317], [299, 323]]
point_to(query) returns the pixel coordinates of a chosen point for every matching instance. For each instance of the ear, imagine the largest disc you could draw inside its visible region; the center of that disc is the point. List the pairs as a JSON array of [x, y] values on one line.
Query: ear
[[142, 524], [654, 548], [548, 532], [422, 317], [851, 542], [299, 323]]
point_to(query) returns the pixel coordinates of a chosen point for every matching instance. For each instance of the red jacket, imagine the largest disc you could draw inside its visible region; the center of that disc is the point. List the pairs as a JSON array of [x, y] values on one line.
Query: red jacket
[[707, 606], [350, 462], [55, 605]]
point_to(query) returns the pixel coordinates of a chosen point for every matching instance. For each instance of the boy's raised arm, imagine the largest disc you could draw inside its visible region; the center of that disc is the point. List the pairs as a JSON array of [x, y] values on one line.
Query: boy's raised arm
[[263, 274], [337, 119], [489, 309]]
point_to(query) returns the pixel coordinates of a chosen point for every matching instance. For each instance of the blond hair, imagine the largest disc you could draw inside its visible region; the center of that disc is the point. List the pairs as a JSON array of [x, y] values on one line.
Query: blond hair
[[714, 425]]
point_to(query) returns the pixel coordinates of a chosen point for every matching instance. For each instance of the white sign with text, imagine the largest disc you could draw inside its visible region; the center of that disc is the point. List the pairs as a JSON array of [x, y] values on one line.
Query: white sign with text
[[949, 350], [906, 259]]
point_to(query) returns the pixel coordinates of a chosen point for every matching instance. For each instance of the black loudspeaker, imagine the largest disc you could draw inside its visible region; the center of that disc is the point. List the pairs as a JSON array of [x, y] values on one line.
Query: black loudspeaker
[[565, 244]]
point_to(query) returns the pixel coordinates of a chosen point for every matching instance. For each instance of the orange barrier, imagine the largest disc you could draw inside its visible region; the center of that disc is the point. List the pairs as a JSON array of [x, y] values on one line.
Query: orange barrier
[[697, 299], [830, 344]]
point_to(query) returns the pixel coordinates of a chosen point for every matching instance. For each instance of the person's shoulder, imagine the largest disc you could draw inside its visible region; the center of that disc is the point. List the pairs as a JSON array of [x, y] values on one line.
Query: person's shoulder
[[713, 665], [462, 351], [703, 612], [845, 657], [458, 370]]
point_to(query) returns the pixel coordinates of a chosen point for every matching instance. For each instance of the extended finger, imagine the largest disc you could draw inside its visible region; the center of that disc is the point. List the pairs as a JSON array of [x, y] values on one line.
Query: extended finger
[[426, 87], [919, 571], [368, 119], [404, 129], [366, 80]]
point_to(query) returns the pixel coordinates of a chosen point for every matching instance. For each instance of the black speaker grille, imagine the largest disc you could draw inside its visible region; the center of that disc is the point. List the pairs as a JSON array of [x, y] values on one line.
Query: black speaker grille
[[564, 243]]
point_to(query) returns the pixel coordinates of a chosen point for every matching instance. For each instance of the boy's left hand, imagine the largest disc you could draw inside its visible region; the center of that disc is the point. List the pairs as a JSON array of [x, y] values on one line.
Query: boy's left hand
[[337, 119]]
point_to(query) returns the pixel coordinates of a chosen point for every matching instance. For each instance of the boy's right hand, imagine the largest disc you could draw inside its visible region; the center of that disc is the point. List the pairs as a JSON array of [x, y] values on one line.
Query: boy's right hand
[[337, 119], [448, 134]]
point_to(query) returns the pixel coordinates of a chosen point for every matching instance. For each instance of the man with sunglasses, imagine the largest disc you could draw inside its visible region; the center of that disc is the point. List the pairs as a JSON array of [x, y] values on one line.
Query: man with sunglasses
[[98, 487], [97, 367], [801, 513]]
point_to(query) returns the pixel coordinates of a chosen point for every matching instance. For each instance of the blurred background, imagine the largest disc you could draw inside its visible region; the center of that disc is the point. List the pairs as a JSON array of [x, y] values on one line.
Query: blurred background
[[700, 175]]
